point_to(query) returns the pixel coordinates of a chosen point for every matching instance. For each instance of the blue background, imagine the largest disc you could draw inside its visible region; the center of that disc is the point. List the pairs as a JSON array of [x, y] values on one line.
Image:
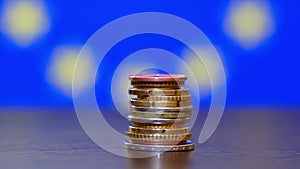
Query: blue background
[[267, 75]]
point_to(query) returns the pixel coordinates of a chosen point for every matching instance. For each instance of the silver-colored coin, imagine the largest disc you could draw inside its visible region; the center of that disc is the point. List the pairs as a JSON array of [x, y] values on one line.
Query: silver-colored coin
[[162, 109], [160, 148], [156, 142], [164, 115], [157, 120]]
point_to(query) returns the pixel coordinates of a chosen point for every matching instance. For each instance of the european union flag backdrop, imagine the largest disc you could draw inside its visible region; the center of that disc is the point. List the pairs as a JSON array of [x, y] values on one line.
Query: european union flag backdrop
[[258, 42]]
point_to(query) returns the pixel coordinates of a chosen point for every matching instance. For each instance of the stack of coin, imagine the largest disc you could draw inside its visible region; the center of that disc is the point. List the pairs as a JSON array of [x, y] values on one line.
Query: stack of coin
[[160, 109]]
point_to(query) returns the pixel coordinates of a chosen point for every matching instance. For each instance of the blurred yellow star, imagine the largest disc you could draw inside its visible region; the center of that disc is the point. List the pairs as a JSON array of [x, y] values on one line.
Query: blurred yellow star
[[24, 21]]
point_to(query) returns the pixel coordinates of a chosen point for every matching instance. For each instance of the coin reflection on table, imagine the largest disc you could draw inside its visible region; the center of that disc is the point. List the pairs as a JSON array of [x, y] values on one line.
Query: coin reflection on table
[[172, 160]]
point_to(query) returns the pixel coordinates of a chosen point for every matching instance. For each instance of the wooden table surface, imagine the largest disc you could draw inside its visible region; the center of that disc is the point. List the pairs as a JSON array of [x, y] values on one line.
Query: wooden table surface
[[246, 138]]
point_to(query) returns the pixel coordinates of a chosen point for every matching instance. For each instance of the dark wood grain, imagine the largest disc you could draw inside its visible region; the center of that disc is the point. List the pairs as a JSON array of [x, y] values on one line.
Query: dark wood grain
[[246, 138]]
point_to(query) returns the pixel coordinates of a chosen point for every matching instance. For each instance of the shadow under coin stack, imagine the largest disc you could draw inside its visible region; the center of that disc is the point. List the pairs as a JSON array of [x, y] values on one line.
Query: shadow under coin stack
[[159, 113]]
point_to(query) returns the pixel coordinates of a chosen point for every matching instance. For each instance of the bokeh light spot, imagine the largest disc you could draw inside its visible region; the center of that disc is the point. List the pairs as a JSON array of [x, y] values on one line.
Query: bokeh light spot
[[61, 68], [24, 21], [249, 22], [199, 70]]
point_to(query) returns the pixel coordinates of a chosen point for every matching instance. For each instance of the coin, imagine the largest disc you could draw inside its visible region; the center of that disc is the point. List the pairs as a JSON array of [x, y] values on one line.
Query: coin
[[147, 103], [138, 141], [162, 109], [171, 85], [158, 131], [165, 98], [159, 126], [165, 115], [158, 91], [159, 137], [160, 148], [157, 77], [157, 120]]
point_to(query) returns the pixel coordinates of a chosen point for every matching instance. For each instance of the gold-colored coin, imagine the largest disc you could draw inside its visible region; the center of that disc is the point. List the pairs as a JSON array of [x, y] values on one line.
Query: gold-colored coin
[[142, 130], [157, 120], [147, 103], [162, 109], [158, 126], [165, 98], [164, 115], [158, 91], [159, 148], [159, 137]]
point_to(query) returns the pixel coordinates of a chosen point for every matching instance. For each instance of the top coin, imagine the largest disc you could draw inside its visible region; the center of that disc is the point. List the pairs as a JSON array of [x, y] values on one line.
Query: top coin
[[157, 77]]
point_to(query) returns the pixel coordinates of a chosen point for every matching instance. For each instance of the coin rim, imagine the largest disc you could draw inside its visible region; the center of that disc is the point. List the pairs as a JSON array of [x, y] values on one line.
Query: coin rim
[[148, 103], [161, 91], [165, 98], [165, 109], [159, 148], [157, 120], [157, 77], [163, 115], [167, 131], [160, 126]]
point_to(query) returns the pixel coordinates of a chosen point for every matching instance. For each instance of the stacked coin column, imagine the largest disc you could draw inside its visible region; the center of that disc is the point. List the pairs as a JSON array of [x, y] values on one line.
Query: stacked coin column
[[160, 109]]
